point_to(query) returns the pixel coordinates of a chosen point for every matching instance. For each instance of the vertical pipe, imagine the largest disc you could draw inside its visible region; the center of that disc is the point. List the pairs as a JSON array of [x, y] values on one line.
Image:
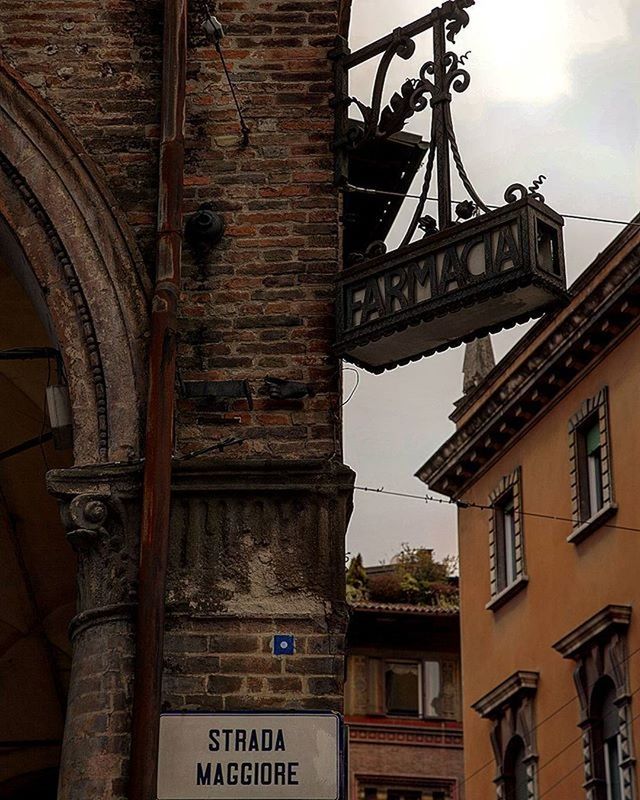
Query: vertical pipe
[[441, 98], [156, 497]]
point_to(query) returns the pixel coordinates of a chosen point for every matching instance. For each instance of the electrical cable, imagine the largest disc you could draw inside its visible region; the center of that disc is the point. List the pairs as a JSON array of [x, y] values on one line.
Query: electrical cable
[[554, 713], [355, 388], [597, 750], [243, 125], [217, 33], [425, 498], [363, 190], [462, 504]]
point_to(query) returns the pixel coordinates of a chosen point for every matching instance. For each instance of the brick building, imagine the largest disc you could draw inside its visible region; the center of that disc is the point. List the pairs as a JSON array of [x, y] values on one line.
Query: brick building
[[90, 262], [544, 462], [403, 691], [403, 702]]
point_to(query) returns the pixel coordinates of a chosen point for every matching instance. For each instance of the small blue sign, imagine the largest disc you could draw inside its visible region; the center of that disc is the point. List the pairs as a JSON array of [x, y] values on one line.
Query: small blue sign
[[284, 644]]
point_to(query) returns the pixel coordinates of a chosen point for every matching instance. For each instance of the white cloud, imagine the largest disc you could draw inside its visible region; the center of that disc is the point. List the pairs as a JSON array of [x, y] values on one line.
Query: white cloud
[[534, 43]]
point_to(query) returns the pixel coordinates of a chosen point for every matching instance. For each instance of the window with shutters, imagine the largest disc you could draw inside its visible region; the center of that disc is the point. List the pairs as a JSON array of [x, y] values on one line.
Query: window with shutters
[[426, 688], [506, 540], [590, 457]]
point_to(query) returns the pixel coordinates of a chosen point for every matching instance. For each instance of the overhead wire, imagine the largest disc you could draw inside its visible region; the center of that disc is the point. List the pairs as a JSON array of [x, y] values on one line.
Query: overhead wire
[[355, 388], [582, 217], [462, 504], [426, 498], [550, 716], [596, 750]]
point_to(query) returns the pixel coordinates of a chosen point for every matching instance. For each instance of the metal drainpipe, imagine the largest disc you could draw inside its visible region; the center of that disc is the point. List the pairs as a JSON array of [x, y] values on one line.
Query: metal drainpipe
[[156, 497]]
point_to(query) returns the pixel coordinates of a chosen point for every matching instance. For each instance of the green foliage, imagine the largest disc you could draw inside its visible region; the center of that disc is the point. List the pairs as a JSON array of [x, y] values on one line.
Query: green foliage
[[357, 579], [414, 576], [423, 580]]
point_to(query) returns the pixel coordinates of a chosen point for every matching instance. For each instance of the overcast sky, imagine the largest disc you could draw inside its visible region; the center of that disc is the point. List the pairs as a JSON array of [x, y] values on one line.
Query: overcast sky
[[555, 90]]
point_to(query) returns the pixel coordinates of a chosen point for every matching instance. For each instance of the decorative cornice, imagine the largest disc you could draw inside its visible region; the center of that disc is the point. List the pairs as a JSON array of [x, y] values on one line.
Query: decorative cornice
[[404, 737], [610, 619], [568, 343], [589, 274], [220, 475], [377, 779], [521, 684]]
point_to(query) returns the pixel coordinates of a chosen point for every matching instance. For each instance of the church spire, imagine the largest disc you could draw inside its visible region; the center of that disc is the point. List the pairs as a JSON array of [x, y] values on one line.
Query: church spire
[[478, 363]]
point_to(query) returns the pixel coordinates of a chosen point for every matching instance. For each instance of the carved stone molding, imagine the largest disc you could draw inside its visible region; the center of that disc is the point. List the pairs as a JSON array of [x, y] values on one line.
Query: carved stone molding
[[545, 364], [254, 537], [510, 708], [83, 264], [100, 511], [249, 538], [84, 519], [599, 648], [600, 627], [67, 269]]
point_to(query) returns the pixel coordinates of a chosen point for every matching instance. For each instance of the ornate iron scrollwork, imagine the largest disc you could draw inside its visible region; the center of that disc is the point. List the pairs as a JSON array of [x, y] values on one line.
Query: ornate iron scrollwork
[[518, 191], [437, 80], [460, 19]]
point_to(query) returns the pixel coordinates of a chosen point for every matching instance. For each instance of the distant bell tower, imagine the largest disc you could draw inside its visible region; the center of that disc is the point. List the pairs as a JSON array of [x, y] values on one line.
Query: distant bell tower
[[479, 360]]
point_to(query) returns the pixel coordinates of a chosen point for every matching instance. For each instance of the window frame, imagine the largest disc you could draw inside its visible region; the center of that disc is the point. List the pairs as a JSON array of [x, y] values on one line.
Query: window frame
[[400, 714], [507, 496], [446, 788], [445, 679], [593, 412], [510, 708]]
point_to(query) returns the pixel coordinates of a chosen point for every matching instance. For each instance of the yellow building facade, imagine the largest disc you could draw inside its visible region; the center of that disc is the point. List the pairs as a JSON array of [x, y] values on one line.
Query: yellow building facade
[[544, 465]]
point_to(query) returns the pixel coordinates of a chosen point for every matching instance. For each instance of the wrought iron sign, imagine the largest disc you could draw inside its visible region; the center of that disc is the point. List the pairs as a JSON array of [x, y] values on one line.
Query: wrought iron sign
[[474, 270]]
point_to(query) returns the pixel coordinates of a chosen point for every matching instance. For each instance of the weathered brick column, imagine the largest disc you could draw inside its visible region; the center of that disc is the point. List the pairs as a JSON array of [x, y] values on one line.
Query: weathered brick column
[[100, 510]]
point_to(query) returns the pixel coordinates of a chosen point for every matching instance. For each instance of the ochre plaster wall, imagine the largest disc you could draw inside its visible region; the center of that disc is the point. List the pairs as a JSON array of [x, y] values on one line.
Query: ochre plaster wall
[[568, 583]]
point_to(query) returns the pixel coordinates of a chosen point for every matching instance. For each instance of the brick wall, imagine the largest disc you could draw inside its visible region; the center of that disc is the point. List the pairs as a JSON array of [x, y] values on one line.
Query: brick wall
[[233, 668], [97, 731], [262, 303]]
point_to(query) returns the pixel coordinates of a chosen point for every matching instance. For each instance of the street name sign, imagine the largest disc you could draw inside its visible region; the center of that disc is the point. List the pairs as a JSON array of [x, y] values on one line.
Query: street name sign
[[250, 756], [468, 280]]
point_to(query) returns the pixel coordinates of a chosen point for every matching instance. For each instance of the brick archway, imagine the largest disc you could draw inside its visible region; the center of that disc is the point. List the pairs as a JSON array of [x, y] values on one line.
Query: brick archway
[[61, 224]]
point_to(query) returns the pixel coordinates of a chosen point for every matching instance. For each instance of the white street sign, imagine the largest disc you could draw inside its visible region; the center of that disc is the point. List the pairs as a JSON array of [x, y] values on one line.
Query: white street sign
[[247, 756]]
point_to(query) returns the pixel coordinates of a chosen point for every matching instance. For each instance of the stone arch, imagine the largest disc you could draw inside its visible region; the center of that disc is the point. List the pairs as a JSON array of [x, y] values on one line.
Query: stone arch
[[74, 253]]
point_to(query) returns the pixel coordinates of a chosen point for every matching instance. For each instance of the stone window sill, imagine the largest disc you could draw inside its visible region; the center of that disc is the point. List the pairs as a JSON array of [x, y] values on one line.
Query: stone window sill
[[498, 600], [597, 520]]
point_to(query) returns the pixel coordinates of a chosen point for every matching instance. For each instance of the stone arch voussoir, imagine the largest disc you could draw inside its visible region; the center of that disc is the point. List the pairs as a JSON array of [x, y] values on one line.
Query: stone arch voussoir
[[59, 218]]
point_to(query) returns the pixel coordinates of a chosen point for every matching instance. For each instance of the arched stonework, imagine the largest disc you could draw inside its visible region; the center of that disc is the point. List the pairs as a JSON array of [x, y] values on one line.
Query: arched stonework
[[59, 218], [599, 648], [510, 708]]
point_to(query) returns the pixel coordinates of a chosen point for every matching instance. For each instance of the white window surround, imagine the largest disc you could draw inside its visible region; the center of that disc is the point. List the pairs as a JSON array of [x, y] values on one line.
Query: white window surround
[[506, 541], [592, 494]]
